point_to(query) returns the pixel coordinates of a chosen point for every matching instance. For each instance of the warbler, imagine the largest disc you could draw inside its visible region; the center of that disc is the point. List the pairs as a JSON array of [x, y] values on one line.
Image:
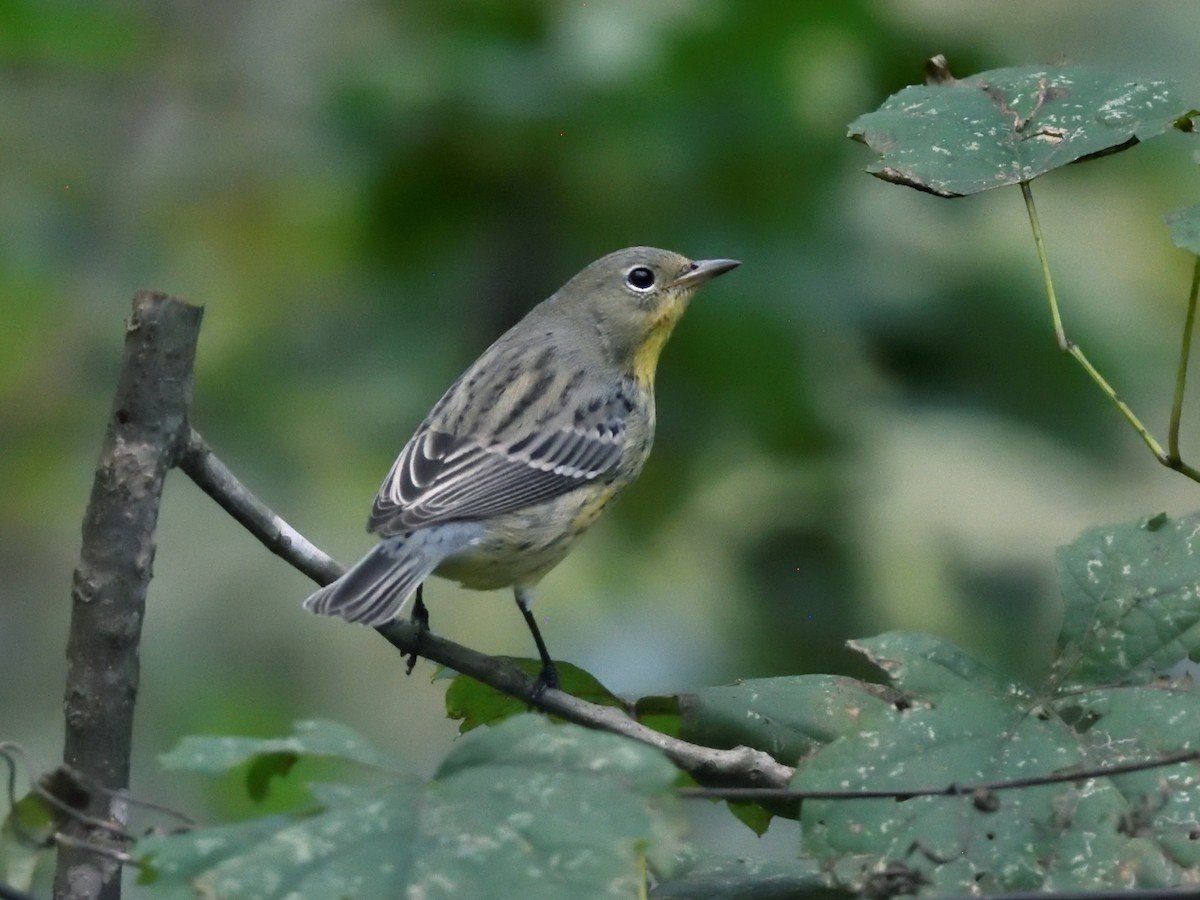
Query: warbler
[[526, 449]]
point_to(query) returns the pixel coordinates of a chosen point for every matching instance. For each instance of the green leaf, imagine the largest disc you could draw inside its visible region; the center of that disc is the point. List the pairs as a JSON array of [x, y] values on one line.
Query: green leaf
[[788, 718], [263, 769], [1006, 126], [963, 724], [1132, 607], [1185, 228], [475, 703], [754, 816], [25, 839], [717, 877], [526, 809], [660, 712], [181, 865], [208, 755]]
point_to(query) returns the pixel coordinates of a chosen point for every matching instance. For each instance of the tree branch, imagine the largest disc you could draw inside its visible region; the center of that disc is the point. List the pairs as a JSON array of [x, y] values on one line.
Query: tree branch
[[741, 765], [146, 427], [213, 477]]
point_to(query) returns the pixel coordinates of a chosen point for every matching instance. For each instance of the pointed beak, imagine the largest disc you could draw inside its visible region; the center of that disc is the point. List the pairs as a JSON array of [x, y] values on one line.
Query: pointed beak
[[704, 269]]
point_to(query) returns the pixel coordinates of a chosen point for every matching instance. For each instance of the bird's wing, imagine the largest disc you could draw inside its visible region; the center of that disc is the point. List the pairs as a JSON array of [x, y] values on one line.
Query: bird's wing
[[441, 477]]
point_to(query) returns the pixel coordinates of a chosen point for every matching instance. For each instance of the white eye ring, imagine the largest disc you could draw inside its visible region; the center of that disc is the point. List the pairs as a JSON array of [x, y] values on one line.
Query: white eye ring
[[640, 279]]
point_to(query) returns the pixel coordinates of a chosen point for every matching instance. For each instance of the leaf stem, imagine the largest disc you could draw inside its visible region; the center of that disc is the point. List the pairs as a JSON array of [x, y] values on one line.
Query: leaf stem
[[1181, 375], [1060, 334], [1065, 344]]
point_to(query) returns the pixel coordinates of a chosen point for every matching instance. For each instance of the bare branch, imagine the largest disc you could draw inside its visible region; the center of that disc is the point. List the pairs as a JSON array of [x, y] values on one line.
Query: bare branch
[[146, 427], [214, 478], [742, 765]]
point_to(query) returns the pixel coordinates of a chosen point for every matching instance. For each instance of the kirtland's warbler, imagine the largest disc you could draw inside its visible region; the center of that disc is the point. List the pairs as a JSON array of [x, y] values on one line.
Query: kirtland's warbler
[[528, 446]]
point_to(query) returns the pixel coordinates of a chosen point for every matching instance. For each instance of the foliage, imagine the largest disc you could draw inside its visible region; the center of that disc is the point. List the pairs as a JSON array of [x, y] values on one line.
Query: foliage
[[1185, 228], [25, 834], [522, 808], [947, 737], [534, 800], [526, 809], [1011, 125], [714, 876], [475, 704]]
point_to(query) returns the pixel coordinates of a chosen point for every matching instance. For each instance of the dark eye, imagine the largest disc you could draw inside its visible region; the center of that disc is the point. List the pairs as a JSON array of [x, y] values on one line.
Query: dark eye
[[640, 278]]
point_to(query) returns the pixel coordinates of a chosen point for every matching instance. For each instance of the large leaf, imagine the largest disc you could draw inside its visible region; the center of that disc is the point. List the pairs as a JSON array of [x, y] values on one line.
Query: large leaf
[[274, 757], [1131, 600], [524, 809], [207, 755], [1133, 603], [964, 725], [718, 877], [1010, 125], [787, 717]]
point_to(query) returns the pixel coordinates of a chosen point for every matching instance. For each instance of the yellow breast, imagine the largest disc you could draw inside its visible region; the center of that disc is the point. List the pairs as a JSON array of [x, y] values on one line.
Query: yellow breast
[[645, 359]]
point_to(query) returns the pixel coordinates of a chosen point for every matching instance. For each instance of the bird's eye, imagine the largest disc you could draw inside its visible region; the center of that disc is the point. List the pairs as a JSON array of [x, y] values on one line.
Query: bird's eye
[[640, 278]]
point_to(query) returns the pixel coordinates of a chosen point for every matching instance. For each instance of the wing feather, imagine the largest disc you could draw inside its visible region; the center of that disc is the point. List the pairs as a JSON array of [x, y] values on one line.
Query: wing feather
[[440, 477]]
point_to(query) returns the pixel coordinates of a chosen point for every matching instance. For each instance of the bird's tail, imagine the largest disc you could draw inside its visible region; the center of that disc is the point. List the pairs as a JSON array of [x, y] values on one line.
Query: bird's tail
[[375, 589]]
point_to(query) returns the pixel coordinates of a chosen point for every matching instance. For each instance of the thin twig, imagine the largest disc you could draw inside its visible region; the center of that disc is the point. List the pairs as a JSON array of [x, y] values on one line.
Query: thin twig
[[122, 795], [120, 857], [214, 478], [741, 765], [979, 791]]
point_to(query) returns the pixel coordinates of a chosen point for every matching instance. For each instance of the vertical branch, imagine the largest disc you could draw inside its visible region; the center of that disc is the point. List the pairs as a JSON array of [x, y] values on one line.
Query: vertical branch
[[146, 429]]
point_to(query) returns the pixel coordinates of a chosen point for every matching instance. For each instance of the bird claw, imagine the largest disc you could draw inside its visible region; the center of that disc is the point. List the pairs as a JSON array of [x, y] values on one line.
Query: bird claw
[[547, 678], [420, 615]]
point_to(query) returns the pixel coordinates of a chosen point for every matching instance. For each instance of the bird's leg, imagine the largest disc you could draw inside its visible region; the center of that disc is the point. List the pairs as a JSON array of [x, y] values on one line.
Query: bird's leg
[[548, 677], [420, 615]]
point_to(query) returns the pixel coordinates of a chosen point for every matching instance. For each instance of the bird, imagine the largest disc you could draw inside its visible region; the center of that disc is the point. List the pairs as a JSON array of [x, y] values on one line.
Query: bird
[[528, 447]]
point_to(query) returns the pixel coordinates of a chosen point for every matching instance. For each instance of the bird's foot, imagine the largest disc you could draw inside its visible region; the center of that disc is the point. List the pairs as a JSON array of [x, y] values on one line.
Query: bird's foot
[[547, 678], [420, 615]]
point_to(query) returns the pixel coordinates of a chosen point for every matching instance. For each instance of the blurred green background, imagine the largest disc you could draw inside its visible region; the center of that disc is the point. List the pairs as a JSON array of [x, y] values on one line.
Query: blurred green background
[[866, 427]]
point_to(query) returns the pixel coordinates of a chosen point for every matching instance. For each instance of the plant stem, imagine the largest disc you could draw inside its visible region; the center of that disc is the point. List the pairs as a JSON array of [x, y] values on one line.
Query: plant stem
[[1060, 334], [1181, 376], [1068, 346]]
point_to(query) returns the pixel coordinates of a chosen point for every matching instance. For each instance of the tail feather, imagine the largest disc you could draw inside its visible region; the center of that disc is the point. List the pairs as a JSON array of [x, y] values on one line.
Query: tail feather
[[375, 589]]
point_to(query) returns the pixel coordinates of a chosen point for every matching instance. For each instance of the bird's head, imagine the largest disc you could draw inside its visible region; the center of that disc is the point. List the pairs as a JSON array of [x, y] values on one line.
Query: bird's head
[[630, 300]]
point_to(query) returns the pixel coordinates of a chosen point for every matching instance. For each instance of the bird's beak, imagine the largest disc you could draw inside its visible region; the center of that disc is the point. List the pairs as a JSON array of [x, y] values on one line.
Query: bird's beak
[[702, 270]]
